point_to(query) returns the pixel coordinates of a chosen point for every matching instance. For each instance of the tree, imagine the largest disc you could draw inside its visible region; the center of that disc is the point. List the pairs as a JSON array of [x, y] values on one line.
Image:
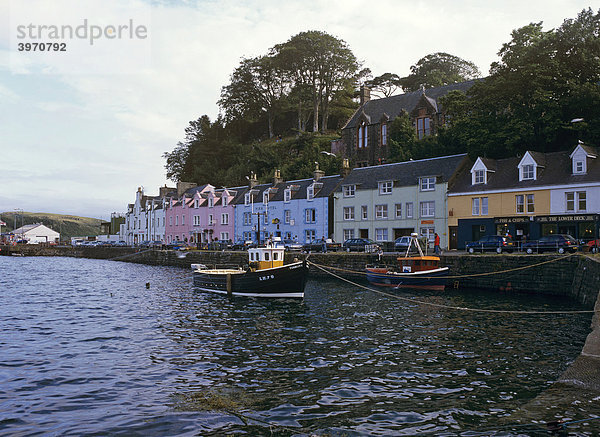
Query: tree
[[439, 69], [256, 87], [321, 63], [386, 84]]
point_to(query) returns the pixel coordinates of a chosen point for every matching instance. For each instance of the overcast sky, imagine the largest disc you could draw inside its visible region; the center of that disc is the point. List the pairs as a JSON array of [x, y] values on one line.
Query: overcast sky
[[81, 129]]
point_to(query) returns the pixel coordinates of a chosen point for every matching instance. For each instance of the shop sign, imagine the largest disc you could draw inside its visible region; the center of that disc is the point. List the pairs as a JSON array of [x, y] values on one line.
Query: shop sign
[[566, 218]]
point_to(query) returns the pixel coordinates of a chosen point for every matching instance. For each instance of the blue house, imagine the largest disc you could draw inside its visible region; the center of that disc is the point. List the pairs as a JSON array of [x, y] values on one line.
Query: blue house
[[300, 210]]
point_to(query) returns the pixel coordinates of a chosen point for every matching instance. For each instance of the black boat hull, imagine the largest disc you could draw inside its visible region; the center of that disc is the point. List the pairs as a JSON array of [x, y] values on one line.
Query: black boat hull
[[287, 281]]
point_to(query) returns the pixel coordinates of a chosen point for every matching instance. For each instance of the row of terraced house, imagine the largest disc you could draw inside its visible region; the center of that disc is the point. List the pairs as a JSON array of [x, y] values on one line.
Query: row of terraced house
[[458, 198]]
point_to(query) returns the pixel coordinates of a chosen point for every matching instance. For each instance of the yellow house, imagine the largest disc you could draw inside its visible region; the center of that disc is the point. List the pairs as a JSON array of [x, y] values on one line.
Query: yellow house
[[503, 196]]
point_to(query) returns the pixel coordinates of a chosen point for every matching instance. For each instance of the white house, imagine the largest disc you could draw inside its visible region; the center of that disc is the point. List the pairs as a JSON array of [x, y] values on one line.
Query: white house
[[36, 233]]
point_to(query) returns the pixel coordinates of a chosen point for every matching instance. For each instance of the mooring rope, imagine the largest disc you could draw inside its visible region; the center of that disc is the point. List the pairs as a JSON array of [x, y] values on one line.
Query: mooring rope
[[450, 307], [354, 272]]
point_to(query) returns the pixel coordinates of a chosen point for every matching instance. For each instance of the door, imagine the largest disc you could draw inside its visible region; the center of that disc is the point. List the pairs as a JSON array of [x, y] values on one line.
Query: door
[[453, 237]]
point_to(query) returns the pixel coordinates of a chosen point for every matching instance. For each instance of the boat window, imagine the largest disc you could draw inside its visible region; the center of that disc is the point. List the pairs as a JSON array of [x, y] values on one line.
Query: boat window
[[266, 256], [251, 256], [275, 256]]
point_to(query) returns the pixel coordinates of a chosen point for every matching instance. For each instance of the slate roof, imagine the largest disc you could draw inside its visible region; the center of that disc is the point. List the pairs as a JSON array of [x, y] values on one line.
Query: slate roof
[[394, 105], [329, 185], [557, 169], [406, 173]]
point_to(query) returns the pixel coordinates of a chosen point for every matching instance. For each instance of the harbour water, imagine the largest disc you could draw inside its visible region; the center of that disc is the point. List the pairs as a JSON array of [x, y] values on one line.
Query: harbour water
[[87, 349]]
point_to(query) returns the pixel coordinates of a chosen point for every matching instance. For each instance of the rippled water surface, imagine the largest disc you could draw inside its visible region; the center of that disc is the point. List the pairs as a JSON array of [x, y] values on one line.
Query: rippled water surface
[[86, 348]]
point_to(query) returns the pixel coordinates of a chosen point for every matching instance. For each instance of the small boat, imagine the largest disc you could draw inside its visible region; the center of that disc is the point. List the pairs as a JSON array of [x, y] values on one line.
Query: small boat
[[265, 276], [422, 271]]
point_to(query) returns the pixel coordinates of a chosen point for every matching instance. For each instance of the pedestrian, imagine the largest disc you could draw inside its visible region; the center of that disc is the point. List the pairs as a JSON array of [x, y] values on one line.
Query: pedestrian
[[436, 245], [324, 243]]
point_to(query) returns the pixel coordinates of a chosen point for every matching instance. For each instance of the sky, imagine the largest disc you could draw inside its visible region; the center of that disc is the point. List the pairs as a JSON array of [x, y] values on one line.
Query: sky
[[83, 125]]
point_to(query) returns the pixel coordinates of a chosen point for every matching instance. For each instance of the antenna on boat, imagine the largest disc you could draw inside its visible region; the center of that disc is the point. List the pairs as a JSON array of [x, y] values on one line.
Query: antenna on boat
[[414, 240]]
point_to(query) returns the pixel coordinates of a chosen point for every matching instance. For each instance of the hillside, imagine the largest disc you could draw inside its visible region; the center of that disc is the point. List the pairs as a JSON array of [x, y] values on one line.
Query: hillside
[[67, 225]]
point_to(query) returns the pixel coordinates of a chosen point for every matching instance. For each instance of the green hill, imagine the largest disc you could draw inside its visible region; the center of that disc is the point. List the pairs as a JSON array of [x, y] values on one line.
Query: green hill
[[67, 225]]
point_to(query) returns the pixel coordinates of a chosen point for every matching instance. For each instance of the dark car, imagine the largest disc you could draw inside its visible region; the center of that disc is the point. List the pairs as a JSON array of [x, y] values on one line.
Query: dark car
[[221, 245], [360, 245], [560, 243], [317, 246], [496, 243], [593, 246], [243, 245]]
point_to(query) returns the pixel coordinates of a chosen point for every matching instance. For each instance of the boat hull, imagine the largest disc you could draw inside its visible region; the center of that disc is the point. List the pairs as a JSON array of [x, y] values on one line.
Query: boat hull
[[434, 279], [287, 281]]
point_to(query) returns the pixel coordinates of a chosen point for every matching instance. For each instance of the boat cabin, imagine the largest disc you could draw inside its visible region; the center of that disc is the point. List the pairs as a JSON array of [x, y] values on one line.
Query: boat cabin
[[418, 263], [266, 257]]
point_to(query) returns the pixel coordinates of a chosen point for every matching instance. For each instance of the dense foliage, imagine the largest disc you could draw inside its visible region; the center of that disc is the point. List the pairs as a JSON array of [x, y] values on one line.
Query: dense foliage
[[278, 107]]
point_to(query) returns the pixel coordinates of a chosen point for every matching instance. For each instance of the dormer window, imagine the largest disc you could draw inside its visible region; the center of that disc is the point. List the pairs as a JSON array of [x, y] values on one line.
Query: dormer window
[[211, 202], [287, 195], [384, 134], [363, 136], [528, 172], [196, 203], [579, 167], [266, 197], [349, 190], [385, 187], [427, 184], [247, 199], [310, 192], [478, 177], [224, 200]]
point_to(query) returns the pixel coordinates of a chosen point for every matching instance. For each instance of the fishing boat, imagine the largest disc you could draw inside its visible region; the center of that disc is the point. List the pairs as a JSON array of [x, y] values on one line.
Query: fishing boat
[[265, 276], [418, 271]]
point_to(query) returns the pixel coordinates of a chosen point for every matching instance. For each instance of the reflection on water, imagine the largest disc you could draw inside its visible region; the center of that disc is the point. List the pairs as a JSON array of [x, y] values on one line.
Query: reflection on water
[[86, 348]]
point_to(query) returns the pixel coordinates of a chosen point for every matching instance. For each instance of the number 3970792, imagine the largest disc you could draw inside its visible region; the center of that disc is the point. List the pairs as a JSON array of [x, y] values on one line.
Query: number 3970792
[[42, 47]]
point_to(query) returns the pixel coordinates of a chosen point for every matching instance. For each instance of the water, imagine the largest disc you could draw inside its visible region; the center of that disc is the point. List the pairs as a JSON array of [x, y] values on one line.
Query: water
[[87, 349]]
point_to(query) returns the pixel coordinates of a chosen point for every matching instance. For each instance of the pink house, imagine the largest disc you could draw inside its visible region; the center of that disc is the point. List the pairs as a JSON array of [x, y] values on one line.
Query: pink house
[[200, 216]]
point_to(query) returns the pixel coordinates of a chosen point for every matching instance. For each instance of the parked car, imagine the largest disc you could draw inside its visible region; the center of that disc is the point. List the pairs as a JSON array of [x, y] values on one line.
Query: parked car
[[497, 243], [317, 246], [593, 246], [361, 245], [243, 245], [120, 243], [221, 245], [177, 245], [560, 243], [291, 245]]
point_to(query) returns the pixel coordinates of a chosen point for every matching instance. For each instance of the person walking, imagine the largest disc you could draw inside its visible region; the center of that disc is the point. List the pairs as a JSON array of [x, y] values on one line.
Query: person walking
[[324, 243], [436, 245]]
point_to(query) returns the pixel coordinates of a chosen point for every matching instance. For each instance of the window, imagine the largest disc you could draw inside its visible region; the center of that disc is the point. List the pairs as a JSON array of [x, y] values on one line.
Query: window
[[210, 220], [479, 177], [427, 209], [287, 214], [528, 172], [266, 197], [310, 192], [309, 235], [409, 210], [247, 236], [348, 234], [381, 234], [363, 136], [381, 212], [196, 220], [211, 202], [224, 201], [225, 219], [383, 134], [182, 220], [311, 215], [385, 187], [427, 184], [520, 203], [287, 195], [266, 219], [196, 203], [348, 213], [484, 206], [475, 206], [247, 218], [429, 233], [579, 167], [364, 212], [170, 222], [581, 201], [224, 235], [398, 208], [349, 190], [423, 127], [570, 201], [247, 199], [176, 221], [530, 203]]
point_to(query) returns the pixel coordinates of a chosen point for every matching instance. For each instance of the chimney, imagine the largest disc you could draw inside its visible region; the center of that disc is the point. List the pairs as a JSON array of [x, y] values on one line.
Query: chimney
[[277, 179], [365, 94], [318, 174], [346, 167], [182, 187], [252, 181], [163, 191]]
